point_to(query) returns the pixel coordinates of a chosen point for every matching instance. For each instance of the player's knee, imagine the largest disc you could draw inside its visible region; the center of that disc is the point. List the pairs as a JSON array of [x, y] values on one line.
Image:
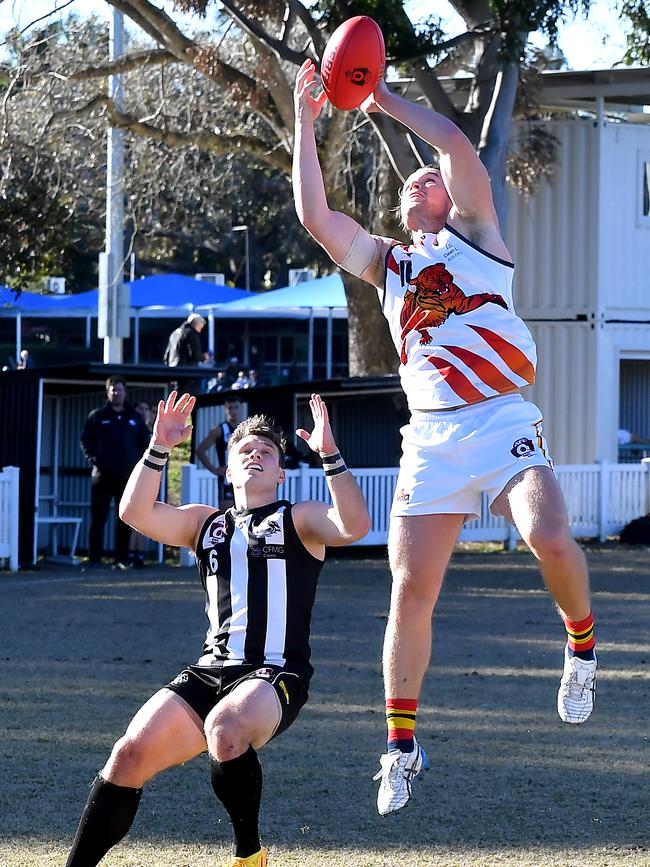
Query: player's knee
[[551, 541], [414, 591], [226, 737], [129, 760]]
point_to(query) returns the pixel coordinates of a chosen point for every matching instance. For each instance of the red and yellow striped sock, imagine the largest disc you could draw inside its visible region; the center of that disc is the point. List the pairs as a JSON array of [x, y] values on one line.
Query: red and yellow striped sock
[[580, 637], [400, 719]]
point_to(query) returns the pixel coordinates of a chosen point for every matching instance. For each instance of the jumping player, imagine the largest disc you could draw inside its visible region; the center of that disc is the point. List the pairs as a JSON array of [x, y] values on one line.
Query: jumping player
[[259, 564], [464, 356]]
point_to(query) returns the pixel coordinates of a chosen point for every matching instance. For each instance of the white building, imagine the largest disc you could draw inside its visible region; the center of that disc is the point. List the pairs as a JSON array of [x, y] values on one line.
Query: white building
[[581, 246]]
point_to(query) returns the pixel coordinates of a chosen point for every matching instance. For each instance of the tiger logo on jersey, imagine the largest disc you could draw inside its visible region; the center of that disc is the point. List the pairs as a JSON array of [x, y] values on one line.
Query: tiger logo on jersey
[[433, 301]]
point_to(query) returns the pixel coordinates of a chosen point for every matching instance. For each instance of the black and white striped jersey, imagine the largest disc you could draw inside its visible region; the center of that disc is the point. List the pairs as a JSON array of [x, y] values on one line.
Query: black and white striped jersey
[[260, 585]]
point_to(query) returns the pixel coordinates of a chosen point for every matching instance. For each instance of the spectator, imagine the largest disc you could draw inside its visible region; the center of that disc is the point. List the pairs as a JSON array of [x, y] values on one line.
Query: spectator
[[112, 440], [252, 379], [231, 369], [242, 381], [218, 437], [218, 382], [627, 437], [25, 361], [208, 363], [184, 346]]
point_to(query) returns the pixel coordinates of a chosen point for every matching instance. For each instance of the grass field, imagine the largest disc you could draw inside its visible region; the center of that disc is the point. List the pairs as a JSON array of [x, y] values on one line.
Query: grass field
[[510, 784]]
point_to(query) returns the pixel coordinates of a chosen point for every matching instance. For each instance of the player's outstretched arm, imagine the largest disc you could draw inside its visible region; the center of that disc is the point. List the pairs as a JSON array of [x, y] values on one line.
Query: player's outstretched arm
[[347, 519], [139, 506], [345, 240], [465, 176]]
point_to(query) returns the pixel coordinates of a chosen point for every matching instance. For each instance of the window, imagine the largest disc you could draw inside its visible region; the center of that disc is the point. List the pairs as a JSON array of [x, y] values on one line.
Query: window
[[643, 179]]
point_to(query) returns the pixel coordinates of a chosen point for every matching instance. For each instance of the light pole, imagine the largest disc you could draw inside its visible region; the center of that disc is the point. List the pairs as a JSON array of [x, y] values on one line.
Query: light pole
[[247, 259], [113, 298]]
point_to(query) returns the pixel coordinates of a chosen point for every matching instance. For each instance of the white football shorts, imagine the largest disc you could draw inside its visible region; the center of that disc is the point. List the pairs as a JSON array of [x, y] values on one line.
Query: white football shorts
[[450, 458]]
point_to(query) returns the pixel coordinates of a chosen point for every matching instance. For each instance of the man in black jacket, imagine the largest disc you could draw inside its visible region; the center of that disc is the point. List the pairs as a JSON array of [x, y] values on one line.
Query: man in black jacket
[[184, 345], [113, 439]]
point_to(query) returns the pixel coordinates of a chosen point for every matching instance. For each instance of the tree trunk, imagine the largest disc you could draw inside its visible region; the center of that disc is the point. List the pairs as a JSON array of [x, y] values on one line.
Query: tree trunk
[[493, 147], [371, 350]]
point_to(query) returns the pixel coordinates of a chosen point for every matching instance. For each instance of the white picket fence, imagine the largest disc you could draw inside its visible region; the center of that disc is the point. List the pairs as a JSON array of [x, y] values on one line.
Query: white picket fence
[[9, 508], [601, 498]]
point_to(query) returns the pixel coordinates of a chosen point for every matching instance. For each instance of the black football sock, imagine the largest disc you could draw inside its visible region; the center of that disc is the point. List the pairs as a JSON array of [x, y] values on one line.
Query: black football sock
[[106, 819], [238, 785]]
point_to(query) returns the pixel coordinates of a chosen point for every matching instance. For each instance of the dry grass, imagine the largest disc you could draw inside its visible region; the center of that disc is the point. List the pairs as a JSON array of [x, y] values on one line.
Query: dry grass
[[509, 785]]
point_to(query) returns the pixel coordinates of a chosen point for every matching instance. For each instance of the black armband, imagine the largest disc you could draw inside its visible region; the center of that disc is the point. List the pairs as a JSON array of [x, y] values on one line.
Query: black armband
[[155, 458], [333, 465]]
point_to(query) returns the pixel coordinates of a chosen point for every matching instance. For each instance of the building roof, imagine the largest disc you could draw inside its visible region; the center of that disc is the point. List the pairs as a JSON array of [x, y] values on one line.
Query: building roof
[[624, 88]]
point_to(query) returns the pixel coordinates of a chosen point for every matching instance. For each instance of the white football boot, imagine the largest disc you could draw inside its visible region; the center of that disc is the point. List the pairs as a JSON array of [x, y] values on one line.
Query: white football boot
[[575, 698], [398, 770]]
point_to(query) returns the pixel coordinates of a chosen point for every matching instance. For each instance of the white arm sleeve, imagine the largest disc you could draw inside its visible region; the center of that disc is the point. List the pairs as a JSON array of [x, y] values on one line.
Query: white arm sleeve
[[363, 250]]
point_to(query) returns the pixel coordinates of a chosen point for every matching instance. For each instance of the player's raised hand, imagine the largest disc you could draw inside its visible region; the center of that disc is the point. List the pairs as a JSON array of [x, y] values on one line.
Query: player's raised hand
[[373, 102], [308, 107], [321, 439], [171, 427]]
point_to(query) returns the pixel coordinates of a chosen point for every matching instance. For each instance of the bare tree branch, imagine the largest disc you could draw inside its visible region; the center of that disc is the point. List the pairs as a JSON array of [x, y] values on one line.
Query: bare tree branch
[[278, 46], [126, 63], [43, 17], [210, 142], [315, 33], [157, 24]]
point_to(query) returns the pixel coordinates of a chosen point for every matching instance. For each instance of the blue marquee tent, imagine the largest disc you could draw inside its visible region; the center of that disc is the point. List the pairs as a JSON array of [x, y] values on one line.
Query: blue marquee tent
[[166, 292], [162, 294], [174, 295], [322, 297]]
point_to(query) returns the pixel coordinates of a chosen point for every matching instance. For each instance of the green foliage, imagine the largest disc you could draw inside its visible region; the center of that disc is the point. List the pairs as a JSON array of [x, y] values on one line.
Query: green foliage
[[638, 38], [514, 19], [403, 40], [36, 227]]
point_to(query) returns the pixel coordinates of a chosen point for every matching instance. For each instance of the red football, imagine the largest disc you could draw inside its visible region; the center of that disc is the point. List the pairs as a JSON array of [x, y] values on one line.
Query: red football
[[353, 62]]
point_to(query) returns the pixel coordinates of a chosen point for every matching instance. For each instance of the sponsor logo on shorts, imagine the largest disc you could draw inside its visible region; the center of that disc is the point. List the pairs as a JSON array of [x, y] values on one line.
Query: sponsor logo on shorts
[[523, 448], [181, 679], [402, 496], [284, 690], [265, 672]]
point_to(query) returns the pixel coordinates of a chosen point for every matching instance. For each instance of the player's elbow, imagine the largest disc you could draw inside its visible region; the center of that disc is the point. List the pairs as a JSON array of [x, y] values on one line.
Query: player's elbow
[[309, 221], [316, 221], [357, 528], [127, 510]]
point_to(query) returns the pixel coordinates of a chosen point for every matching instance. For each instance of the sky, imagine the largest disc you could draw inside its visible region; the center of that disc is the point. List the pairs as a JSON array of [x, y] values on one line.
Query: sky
[[597, 43]]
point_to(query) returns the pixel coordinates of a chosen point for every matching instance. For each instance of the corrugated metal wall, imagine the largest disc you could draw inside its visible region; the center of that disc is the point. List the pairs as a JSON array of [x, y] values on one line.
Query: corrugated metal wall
[[551, 235], [366, 426], [624, 277], [565, 389]]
